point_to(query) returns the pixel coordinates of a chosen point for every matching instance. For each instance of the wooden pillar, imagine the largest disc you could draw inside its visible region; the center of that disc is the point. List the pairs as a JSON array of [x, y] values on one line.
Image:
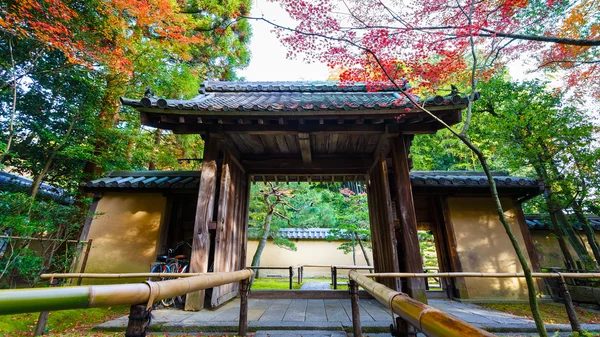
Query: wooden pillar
[[204, 215], [460, 285], [381, 221], [356, 328], [139, 321], [244, 288], [407, 236]]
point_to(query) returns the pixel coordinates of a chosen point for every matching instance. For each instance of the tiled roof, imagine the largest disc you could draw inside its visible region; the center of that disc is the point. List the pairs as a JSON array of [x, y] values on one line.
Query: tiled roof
[[468, 179], [147, 179], [13, 182], [538, 221], [289, 96], [191, 180], [297, 233]]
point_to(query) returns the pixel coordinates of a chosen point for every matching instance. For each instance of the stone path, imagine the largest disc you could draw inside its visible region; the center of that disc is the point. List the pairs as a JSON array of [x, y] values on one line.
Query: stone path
[[316, 286], [317, 314]]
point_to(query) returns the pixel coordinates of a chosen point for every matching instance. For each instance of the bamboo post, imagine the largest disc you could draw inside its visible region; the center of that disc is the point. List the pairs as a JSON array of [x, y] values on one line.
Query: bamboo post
[[566, 295], [244, 288], [85, 258], [356, 329], [139, 321], [291, 269], [43, 319]]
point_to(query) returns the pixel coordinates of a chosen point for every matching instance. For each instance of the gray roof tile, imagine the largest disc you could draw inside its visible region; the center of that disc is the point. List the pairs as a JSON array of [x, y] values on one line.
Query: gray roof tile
[[13, 182], [420, 179], [289, 96], [538, 221]]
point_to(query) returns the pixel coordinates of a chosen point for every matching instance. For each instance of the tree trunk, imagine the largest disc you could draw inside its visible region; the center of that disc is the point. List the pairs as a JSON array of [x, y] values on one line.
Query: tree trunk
[[364, 251], [37, 182], [589, 231], [263, 240], [353, 248], [558, 229]]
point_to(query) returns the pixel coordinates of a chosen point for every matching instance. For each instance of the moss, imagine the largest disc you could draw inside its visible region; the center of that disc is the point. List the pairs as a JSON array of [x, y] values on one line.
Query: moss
[[75, 322], [552, 313], [274, 284]]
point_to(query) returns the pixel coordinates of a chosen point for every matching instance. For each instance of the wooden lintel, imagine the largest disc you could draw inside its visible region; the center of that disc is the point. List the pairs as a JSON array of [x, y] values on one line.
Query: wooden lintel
[[276, 129], [319, 163], [304, 141]]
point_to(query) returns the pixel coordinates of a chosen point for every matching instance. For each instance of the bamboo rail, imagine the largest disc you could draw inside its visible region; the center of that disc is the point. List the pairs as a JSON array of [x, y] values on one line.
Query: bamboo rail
[[290, 270], [93, 296], [39, 239], [566, 295], [118, 276], [428, 320], [478, 274]]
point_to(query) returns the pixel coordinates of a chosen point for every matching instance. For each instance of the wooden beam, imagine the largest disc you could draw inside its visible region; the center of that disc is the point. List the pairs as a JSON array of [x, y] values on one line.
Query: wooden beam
[[289, 163], [406, 232], [204, 214], [460, 286], [304, 140]]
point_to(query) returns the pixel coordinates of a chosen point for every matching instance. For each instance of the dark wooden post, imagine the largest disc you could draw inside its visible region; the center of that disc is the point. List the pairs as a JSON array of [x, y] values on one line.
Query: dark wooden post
[[407, 236], [88, 246], [334, 275], [566, 295], [43, 319], [291, 269], [299, 274], [204, 215], [244, 288], [139, 321], [356, 329]]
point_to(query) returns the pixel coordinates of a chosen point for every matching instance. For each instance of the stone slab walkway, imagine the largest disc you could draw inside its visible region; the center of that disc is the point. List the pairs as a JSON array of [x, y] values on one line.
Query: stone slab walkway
[[316, 286], [328, 315]]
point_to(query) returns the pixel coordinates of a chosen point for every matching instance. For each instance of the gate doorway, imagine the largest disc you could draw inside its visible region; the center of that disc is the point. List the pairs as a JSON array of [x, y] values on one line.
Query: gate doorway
[[302, 132]]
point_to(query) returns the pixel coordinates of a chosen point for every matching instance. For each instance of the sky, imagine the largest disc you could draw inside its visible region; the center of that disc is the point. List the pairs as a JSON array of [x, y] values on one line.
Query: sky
[[269, 61]]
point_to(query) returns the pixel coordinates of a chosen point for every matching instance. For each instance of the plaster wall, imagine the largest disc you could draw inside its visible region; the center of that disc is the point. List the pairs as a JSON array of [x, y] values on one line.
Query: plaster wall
[[126, 233], [548, 249], [483, 246], [308, 252]]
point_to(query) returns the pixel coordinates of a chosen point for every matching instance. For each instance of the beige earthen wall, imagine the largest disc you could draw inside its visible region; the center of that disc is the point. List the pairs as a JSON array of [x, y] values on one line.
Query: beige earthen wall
[[548, 249], [308, 252], [483, 246], [125, 233]]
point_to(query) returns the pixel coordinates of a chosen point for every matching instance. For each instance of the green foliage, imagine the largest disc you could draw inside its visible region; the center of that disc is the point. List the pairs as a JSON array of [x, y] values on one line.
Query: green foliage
[[46, 224], [352, 222]]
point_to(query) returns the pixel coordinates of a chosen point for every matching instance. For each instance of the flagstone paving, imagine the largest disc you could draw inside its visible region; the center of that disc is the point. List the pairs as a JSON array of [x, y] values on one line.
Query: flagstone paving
[[325, 315], [316, 286]]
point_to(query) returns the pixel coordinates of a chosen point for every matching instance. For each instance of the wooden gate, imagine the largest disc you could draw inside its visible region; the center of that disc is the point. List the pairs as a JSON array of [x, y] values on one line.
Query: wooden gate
[[231, 226]]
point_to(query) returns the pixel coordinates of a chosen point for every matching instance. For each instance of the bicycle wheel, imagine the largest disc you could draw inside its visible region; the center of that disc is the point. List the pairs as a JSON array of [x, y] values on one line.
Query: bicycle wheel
[[168, 302], [180, 300]]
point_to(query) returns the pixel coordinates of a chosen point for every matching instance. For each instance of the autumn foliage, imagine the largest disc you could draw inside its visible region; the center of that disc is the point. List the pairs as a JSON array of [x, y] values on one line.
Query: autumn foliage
[[429, 41]]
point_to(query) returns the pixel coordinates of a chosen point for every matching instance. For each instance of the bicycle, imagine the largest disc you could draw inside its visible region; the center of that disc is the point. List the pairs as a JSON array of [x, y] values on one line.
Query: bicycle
[[171, 264]]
